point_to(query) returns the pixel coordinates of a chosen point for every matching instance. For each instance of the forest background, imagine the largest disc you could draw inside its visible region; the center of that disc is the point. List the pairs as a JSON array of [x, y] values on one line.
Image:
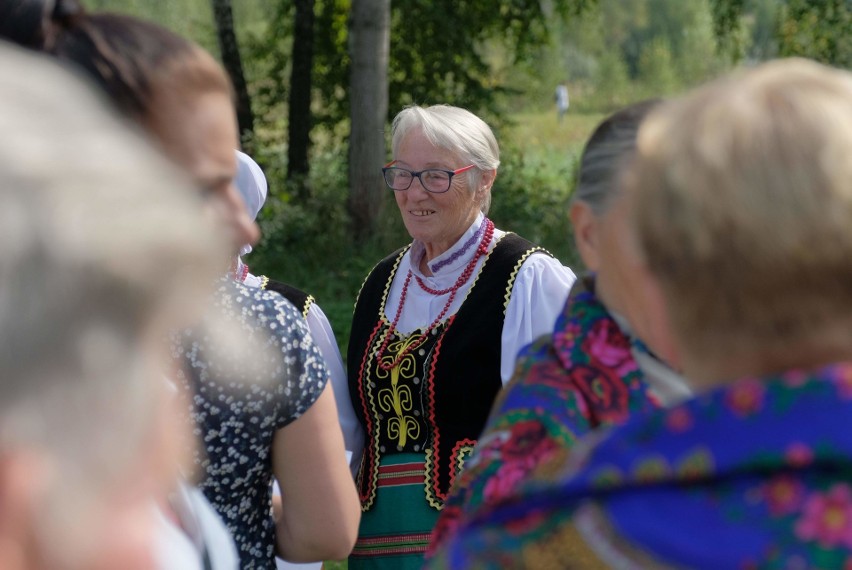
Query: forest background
[[318, 81]]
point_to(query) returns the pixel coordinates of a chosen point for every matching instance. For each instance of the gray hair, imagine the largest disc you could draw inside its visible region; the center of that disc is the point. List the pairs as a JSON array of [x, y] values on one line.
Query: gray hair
[[456, 130], [611, 144], [101, 241], [743, 211]]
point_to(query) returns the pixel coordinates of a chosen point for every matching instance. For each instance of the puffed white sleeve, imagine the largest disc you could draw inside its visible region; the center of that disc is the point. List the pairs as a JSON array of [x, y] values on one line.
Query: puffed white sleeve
[[538, 296], [353, 433]]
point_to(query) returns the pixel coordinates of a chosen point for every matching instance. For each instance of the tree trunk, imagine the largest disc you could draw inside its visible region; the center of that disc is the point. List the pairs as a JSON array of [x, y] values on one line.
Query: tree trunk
[[369, 47], [299, 123], [224, 17]]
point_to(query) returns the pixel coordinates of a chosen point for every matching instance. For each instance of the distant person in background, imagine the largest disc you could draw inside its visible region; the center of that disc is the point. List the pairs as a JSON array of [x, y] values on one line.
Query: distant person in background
[[589, 373], [738, 242], [562, 102], [97, 231], [261, 405]]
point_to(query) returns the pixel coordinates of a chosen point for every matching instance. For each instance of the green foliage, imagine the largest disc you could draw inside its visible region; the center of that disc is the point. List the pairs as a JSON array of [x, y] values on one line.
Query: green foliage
[[657, 69], [818, 29], [190, 18], [727, 26], [531, 197], [624, 51]]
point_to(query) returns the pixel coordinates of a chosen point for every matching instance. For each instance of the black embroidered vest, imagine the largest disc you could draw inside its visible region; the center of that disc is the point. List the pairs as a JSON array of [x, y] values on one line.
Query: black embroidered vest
[[301, 300], [436, 401]]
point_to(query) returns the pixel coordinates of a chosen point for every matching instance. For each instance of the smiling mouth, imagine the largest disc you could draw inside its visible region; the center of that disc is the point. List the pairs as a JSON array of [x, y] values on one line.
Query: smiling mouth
[[421, 213]]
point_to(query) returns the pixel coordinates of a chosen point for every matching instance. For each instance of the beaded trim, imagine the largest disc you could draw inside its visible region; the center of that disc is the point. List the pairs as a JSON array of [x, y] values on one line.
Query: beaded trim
[[508, 295], [473, 239]]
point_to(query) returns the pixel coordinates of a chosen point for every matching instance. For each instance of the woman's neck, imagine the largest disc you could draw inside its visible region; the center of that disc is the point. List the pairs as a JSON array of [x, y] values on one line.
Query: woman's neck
[[433, 250], [705, 372]]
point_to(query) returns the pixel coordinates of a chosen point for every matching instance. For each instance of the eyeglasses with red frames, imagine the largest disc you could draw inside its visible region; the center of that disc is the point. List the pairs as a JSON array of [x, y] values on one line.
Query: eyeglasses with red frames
[[434, 180]]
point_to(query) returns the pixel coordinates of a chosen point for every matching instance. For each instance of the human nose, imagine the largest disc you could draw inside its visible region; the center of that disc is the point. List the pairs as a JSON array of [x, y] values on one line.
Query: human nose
[[243, 229], [421, 188]]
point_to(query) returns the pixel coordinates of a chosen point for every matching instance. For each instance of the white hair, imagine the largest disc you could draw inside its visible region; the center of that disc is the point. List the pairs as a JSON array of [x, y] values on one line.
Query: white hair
[[456, 130]]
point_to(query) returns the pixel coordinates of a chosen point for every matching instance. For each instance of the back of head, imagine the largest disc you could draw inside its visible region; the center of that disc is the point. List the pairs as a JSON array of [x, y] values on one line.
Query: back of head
[[140, 65], [612, 143], [99, 241], [743, 208]]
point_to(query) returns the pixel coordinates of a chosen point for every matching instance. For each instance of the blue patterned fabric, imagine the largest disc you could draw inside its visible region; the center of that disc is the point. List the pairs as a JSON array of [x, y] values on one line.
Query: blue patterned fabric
[[757, 474], [580, 378]]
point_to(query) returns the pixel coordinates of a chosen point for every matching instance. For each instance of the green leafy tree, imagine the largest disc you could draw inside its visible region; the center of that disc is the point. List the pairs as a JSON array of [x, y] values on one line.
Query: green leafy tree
[[818, 29], [657, 70], [301, 82], [229, 50]]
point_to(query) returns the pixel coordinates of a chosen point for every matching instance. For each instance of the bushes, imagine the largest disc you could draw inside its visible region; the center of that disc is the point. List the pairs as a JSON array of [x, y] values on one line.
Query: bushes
[[531, 196]]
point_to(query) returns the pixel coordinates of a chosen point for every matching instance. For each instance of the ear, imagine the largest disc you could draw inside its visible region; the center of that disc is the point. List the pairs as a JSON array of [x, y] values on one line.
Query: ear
[[486, 181], [586, 225]]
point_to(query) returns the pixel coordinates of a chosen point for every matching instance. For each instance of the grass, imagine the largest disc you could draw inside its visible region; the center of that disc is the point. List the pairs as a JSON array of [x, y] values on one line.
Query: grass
[[542, 133]]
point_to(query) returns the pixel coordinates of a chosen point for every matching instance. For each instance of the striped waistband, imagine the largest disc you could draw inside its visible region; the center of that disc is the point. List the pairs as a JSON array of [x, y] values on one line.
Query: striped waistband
[[402, 474], [414, 543]]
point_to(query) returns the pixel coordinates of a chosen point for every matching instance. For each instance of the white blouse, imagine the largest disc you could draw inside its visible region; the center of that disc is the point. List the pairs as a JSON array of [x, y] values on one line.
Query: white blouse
[[538, 295]]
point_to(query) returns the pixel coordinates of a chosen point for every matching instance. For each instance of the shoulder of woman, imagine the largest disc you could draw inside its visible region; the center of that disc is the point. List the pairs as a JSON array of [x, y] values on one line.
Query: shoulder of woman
[[543, 263], [261, 305]]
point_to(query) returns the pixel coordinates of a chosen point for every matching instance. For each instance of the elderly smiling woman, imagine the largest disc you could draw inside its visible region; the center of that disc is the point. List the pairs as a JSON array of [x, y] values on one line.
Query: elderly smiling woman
[[437, 327]]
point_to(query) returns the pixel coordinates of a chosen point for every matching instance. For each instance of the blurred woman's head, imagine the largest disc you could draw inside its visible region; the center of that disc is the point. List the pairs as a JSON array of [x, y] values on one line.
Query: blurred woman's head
[[742, 209], [444, 138], [102, 251], [168, 85], [594, 215]]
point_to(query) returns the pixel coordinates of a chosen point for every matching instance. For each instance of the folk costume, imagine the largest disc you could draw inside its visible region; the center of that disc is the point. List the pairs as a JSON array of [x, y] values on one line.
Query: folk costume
[[682, 488], [582, 377], [427, 355]]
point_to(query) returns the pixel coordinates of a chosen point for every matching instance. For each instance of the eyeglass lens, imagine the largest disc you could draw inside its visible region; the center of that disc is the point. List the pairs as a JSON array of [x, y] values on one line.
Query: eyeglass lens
[[433, 180]]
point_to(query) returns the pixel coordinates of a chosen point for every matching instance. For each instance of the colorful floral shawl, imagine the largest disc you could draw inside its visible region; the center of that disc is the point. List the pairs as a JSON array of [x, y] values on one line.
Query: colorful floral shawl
[[580, 378], [757, 474]]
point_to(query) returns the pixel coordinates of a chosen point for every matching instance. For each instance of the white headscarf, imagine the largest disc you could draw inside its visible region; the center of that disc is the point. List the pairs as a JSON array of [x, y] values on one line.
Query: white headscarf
[[252, 185]]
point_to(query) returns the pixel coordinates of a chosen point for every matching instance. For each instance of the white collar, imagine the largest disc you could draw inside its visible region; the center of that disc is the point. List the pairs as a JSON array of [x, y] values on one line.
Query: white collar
[[418, 250]]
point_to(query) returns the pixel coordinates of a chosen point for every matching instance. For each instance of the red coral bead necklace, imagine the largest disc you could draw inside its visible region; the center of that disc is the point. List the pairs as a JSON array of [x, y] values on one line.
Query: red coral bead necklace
[[481, 249]]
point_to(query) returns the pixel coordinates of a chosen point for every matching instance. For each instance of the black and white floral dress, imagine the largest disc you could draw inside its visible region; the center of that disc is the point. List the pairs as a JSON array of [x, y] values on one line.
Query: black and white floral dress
[[249, 369]]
